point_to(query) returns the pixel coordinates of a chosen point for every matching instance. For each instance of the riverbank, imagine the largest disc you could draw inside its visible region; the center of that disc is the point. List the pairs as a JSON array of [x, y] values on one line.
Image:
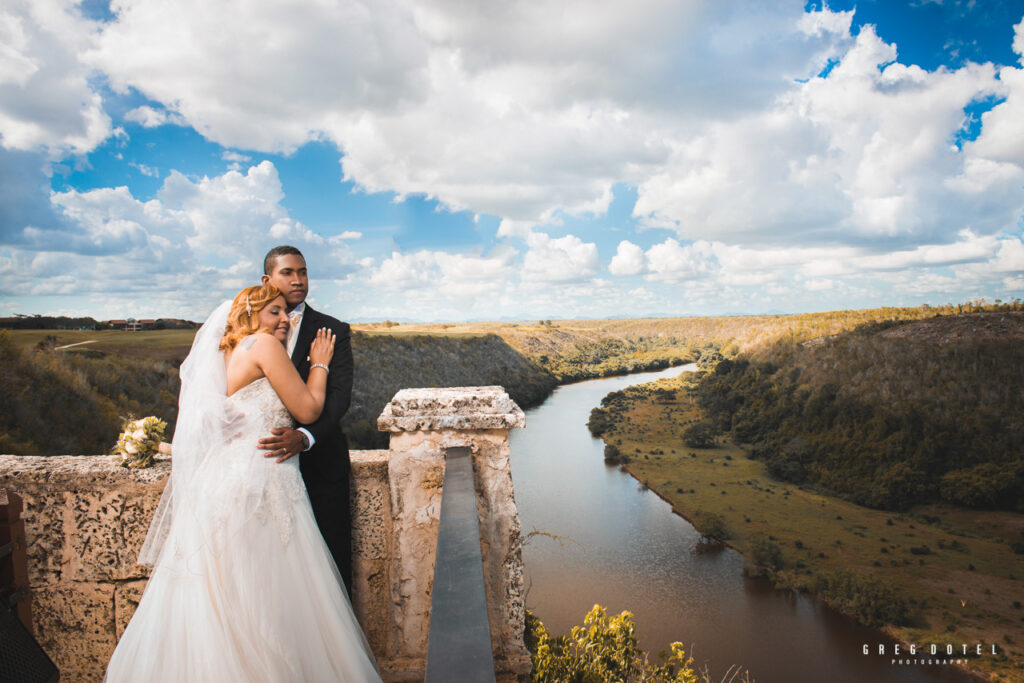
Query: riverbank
[[950, 573]]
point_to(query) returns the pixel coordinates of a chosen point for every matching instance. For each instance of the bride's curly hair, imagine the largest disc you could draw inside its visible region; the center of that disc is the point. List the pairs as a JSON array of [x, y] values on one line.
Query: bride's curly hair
[[243, 318]]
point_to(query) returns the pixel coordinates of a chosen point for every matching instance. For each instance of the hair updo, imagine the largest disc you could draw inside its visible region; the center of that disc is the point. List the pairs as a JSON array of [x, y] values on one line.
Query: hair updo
[[243, 318]]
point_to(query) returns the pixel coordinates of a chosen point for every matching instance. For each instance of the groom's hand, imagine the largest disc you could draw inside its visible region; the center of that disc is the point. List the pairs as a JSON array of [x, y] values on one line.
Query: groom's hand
[[285, 443]]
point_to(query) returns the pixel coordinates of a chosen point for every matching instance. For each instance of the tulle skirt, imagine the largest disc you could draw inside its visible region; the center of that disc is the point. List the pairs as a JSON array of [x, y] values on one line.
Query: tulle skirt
[[246, 606]]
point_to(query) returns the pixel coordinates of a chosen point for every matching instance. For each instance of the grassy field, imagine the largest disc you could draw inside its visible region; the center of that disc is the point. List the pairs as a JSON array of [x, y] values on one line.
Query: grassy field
[[963, 582], [159, 344]]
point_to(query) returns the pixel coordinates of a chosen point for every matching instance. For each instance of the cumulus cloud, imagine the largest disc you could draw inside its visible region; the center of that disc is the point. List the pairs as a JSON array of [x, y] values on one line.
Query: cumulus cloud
[[1002, 132], [526, 116], [314, 62], [671, 261], [730, 139], [783, 153], [46, 102], [628, 260], [864, 153], [562, 259], [198, 237], [430, 283]]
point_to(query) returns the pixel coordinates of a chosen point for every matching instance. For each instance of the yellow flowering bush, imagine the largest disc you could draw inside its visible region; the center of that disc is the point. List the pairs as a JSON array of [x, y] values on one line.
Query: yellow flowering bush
[[603, 650], [139, 441]]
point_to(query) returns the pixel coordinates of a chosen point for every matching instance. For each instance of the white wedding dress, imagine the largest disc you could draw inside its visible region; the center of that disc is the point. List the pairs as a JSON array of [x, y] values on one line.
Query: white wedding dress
[[243, 586]]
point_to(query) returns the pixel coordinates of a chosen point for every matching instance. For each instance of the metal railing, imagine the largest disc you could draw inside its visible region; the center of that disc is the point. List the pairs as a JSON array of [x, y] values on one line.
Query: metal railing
[[459, 644]]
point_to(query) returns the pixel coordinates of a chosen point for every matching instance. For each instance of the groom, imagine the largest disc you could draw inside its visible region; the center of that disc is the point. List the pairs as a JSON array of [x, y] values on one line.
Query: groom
[[324, 450]]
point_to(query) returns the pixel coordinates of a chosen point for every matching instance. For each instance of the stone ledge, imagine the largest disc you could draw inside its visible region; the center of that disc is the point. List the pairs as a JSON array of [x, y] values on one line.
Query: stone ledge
[[102, 470], [455, 408]]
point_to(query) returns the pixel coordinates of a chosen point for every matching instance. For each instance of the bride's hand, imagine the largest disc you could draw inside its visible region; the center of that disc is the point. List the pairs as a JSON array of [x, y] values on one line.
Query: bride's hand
[[322, 348]]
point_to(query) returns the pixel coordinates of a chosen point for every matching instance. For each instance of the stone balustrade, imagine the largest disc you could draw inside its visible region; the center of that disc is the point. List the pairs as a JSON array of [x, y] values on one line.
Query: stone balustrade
[[86, 519]]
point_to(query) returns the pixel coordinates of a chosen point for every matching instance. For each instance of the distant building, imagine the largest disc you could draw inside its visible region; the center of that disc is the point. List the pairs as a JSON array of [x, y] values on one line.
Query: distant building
[[133, 325]]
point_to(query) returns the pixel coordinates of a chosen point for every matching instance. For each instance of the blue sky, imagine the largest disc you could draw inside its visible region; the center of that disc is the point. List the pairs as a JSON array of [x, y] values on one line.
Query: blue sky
[[511, 160]]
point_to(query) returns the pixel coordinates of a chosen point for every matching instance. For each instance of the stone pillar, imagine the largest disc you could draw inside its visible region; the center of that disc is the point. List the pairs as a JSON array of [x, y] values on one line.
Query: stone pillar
[[422, 423]]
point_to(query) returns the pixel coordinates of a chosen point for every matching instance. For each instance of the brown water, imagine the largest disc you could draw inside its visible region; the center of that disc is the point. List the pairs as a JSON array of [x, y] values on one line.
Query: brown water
[[628, 550]]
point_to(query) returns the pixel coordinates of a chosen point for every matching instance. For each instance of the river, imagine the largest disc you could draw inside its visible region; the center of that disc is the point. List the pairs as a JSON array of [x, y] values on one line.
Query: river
[[624, 548]]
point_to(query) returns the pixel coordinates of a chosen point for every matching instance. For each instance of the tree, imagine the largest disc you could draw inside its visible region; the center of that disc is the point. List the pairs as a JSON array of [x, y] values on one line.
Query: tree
[[700, 435], [710, 525], [765, 555]]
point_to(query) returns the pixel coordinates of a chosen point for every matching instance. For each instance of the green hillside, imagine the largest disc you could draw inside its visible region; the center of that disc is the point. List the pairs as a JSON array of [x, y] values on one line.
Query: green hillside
[[889, 415]]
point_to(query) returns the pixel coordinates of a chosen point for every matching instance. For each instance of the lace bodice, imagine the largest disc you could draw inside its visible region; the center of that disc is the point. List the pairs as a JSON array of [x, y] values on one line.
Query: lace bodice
[[258, 398], [281, 482]]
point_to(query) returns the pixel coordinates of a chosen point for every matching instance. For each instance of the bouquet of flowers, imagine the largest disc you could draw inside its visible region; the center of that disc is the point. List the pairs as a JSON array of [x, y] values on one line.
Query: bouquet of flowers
[[139, 441]]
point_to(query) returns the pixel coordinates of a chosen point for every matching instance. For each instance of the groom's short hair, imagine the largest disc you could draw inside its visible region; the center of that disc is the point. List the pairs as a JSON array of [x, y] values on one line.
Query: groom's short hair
[[273, 254]]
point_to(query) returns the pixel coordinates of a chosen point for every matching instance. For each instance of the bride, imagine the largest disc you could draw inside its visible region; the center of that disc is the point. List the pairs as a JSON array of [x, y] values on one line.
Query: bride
[[243, 586]]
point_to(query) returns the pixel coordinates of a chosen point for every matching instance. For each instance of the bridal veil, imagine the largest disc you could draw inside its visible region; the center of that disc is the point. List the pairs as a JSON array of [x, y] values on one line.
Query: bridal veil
[[206, 425]]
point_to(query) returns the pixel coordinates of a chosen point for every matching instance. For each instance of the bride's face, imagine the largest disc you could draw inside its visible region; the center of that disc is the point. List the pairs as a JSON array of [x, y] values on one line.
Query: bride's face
[[274, 317]]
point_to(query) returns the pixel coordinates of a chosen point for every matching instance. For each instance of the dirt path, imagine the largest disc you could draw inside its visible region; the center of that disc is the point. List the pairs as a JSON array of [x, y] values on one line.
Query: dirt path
[[68, 346]]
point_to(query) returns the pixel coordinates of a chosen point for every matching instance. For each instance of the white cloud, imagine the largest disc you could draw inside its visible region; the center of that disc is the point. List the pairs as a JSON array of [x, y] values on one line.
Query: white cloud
[[672, 261], [777, 183], [819, 285], [145, 170], [628, 260], [228, 155], [970, 248], [432, 283], [527, 117], [562, 259], [1010, 256], [1002, 129], [148, 117], [817, 268], [198, 240], [863, 153], [46, 102], [1018, 41], [309, 64]]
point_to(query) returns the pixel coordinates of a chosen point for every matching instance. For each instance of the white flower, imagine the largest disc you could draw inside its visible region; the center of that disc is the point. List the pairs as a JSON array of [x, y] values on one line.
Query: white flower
[[130, 448], [139, 435]]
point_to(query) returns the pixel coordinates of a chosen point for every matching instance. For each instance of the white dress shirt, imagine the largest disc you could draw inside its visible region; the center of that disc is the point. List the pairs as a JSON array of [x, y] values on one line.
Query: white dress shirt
[[295, 316]]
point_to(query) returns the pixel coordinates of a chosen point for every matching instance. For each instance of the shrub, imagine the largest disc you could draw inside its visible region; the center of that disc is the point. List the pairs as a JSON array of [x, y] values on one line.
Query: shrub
[[603, 649], [863, 596], [989, 485], [764, 556], [600, 422], [710, 525], [700, 435]]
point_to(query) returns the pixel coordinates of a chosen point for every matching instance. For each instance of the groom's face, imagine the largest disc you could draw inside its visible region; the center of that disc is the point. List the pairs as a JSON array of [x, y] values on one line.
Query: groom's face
[[290, 276]]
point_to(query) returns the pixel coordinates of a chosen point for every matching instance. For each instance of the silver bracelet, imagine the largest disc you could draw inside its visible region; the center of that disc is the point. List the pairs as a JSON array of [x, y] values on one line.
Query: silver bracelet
[[319, 365]]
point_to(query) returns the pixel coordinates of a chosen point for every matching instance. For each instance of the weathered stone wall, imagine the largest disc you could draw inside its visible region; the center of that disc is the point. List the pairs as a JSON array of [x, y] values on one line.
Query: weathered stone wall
[[86, 519]]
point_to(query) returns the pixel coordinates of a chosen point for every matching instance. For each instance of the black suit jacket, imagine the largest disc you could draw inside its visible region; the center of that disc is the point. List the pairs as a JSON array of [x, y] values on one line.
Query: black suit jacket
[[326, 465]]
